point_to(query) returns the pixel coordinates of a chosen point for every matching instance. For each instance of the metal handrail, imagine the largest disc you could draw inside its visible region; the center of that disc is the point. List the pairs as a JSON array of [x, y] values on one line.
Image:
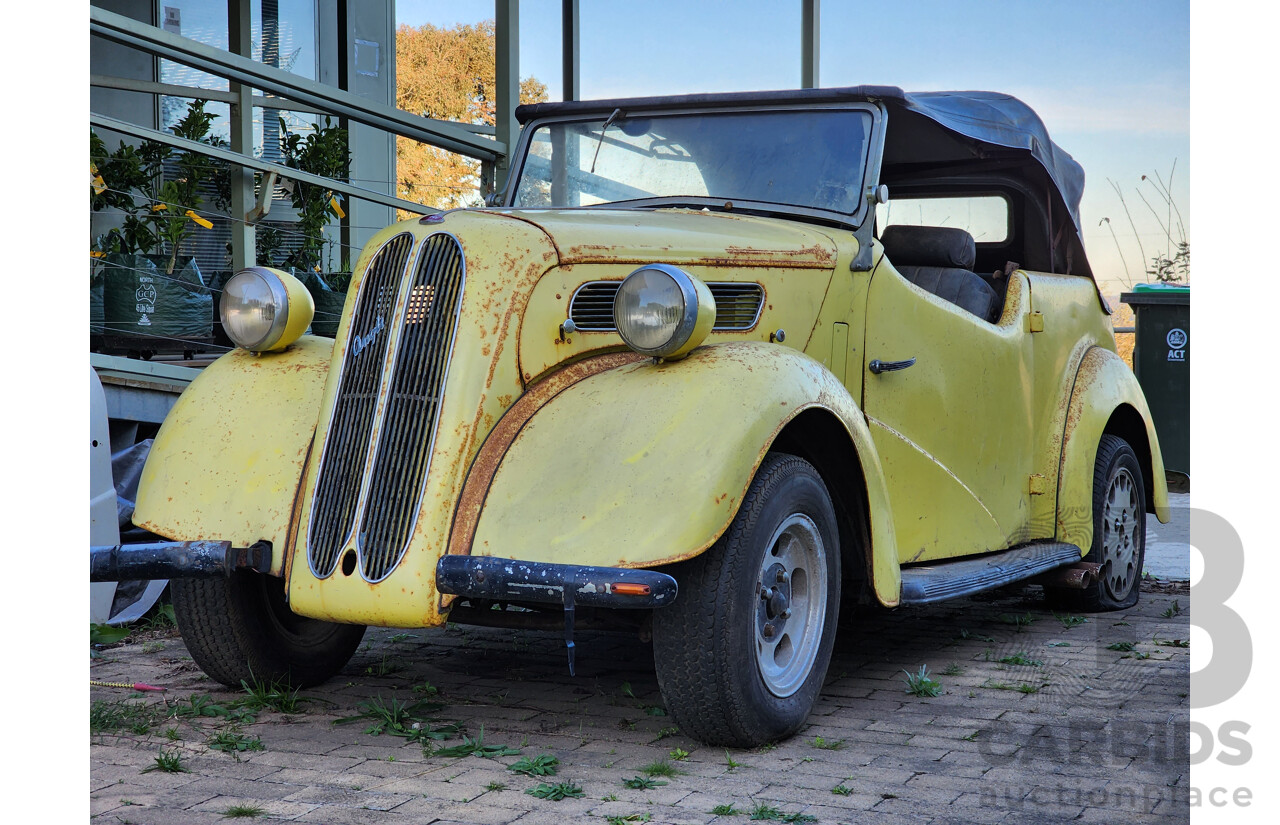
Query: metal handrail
[[129, 32], [185, 145]]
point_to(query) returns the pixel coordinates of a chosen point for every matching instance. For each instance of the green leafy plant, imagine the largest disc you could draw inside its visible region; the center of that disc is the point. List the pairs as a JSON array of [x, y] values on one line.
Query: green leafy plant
[[620, 819], [679, 754], [642, 783], [122, 715], [1025, 620], [665, 732], [919, 684], [234, 742], [953, 669], [158, 210], [1125, 646], [1173, 642], [105, 634], [542, 765], [769, 813], [827, 744], [730, 761], [168, 762], [1070, 621], [725, 810], [1021, 658], [1172, 610], [842, 790], [556, 792], [203, 705], [496, 786], [275, 695], [965, 635], [324, 152], [477, 747]]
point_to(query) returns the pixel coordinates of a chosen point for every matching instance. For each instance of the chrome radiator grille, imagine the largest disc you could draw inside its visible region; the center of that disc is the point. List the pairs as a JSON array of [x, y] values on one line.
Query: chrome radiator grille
[[413, 407], [347, 444], [737, 305]]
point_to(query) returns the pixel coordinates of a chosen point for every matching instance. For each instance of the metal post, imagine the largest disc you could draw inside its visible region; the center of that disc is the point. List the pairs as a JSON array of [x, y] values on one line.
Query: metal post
[[507, 75], [569, 41], [810, 30], [243, 236]]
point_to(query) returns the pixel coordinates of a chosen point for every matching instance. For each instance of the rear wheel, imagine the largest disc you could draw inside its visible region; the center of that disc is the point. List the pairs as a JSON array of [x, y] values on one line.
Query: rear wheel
[[742, 652], [1119, 532], [240, 628]]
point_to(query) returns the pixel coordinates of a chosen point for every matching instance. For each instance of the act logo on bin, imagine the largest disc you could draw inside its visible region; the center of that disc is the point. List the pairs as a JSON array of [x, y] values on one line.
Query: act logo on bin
[[1177, 341]]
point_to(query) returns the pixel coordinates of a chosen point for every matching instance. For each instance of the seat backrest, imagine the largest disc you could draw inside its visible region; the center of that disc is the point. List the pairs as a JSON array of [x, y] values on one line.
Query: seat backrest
[[940, 259]]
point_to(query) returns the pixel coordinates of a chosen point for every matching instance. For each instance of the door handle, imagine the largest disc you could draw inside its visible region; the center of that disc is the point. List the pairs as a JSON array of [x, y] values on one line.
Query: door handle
[[877, 366]]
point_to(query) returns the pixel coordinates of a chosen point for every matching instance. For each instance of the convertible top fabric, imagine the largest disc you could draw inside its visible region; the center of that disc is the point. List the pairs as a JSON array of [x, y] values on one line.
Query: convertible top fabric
[[985, 117]]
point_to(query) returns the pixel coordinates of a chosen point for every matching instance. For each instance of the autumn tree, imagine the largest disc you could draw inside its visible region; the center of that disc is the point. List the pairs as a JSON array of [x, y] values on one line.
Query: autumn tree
[[448, 74]]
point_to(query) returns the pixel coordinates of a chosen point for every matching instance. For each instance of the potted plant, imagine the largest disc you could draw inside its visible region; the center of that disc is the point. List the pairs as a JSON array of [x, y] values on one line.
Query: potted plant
[[325, 152], [150, 290]]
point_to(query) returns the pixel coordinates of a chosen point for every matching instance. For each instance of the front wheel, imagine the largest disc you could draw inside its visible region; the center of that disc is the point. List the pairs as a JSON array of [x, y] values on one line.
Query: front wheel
[[742, 652], [1119, 532], [240, 628]]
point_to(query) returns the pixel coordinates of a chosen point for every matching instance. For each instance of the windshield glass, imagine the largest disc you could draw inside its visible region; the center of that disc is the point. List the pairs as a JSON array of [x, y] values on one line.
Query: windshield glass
[[811, 159]]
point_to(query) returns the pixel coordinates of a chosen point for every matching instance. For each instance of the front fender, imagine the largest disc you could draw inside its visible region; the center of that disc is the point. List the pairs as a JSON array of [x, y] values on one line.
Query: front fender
[[228, 459], [1105, 393], [620, 462]]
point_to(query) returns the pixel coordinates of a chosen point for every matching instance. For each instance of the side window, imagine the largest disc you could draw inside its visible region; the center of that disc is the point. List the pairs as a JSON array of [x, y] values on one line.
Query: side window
[[985, 217]]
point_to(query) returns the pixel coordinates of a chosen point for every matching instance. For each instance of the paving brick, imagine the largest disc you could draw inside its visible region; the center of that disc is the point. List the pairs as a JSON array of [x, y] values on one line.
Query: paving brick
[[1105, 731]]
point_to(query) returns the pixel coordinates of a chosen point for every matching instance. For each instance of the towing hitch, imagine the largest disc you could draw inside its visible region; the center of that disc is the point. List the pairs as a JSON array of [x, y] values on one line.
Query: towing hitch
[[175, 560]]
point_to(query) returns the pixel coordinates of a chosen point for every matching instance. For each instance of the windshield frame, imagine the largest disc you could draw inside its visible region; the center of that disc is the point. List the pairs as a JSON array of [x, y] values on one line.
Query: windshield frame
[[872, 151]]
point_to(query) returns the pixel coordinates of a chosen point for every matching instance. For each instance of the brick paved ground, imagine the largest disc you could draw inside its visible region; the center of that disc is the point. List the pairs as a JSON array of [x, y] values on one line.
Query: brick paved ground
[[1099, 735]]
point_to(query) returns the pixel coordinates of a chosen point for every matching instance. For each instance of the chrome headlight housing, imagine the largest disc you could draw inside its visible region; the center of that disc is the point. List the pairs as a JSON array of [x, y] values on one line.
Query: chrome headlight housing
[[264, 309], [663, 311]]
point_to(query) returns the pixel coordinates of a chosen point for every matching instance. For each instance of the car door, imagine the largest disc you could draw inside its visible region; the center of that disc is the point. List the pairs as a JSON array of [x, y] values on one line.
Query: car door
[[954, 428]]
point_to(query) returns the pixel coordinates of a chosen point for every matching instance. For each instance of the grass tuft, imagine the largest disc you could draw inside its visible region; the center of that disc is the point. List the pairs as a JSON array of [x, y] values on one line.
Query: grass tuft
[[168, 762]]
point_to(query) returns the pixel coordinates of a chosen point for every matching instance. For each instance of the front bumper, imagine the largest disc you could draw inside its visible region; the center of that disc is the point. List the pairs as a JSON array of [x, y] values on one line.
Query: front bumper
[[510, 580], [175, 560]]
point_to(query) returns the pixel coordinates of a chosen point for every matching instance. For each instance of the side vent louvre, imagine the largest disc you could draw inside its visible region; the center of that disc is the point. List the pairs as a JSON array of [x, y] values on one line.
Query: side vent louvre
[[737, 305]]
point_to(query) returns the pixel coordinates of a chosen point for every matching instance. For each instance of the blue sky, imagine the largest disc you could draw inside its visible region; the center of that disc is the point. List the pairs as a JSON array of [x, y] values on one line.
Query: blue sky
[[1110, 79]]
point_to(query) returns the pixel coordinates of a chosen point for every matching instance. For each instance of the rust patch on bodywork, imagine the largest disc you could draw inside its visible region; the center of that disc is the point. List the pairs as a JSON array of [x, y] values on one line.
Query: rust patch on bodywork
[[485, 465]]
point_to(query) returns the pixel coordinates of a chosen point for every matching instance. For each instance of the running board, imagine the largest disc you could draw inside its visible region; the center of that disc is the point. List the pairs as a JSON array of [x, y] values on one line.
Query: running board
[[949, 579]]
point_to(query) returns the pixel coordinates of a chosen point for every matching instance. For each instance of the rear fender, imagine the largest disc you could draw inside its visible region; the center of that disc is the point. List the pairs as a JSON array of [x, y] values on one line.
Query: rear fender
[[620, 462], [228, 459], [1106, 399]]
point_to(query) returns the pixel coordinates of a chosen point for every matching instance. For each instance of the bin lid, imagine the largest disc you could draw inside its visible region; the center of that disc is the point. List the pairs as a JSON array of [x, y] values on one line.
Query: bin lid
[[1157, 294]]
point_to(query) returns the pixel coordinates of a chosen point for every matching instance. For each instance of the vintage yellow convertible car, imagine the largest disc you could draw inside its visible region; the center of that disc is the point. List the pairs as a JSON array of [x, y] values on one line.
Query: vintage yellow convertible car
[[694, 373]]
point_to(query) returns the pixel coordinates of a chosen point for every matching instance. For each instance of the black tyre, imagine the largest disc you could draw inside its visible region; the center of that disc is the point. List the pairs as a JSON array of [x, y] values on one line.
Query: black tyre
[[241, 628], [742, 652], [1119, 532]]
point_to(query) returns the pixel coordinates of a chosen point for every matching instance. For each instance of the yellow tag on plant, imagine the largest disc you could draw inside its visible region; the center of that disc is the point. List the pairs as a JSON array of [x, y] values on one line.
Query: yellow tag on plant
[[337, 208], [159, 207], [207, 224]]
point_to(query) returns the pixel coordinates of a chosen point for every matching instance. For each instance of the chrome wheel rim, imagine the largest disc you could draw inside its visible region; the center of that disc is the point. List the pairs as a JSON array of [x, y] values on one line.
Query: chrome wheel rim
[[791, 605], [1121, 535]]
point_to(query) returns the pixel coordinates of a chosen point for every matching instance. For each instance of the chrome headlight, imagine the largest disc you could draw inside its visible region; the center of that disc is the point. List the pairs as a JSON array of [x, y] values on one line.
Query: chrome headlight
[[663, 311], [264, 309]]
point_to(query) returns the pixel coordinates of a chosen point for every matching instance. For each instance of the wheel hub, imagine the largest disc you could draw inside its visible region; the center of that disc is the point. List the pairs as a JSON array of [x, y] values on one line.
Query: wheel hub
[[1120, 539], [792, 605]]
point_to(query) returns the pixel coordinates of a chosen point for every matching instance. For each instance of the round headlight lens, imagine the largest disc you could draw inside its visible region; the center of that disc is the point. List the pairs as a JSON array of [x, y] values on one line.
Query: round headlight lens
[[663, 311], [254, 309]]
